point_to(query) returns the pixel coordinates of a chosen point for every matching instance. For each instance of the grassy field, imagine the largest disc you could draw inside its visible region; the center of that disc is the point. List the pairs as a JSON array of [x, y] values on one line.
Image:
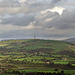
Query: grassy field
[[49, 70], [8, 74], [37, 55]]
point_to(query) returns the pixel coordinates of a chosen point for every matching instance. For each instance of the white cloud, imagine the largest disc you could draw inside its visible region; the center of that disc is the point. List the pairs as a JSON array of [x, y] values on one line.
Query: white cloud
[[55, 9], [22, 1]]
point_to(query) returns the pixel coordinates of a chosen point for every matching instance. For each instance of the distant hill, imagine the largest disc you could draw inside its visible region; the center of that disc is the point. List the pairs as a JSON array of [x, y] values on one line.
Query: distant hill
[[31, 55], [70, 40], [39, 46]]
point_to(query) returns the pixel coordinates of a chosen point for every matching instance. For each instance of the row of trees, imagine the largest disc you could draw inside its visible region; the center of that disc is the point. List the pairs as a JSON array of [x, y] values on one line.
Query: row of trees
[[36, 73]]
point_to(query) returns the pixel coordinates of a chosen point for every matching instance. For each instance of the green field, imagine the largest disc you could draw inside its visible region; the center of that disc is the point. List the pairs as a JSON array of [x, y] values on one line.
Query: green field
[[8, 74], [35, 55]]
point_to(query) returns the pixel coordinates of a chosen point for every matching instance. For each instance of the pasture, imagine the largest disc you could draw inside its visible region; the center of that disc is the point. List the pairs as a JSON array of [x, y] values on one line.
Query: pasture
[[37, 55]]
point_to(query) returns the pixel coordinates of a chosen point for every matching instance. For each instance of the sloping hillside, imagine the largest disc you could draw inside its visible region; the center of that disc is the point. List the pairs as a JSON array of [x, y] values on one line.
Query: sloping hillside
[[70, 40], [41, 46], [34, 54]]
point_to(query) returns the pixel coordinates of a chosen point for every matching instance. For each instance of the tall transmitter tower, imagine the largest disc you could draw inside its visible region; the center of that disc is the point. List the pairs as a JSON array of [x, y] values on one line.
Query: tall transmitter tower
[[34, 36]]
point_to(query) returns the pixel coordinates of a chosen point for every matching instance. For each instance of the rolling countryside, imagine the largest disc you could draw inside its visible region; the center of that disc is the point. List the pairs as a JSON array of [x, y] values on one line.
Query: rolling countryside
[[36, 55]]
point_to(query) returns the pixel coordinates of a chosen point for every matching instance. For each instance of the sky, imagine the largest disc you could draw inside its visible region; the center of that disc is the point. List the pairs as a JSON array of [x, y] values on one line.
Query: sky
[[47, 19]]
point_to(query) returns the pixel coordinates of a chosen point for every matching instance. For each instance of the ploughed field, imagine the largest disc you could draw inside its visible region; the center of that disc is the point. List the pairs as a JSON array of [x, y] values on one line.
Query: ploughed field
[[34, 55]]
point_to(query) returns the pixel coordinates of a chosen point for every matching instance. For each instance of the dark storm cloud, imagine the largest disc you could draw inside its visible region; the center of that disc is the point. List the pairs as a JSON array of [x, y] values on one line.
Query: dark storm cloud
[[65, 21], [18, 20], [47, 20], [42, 19], [23, 20]]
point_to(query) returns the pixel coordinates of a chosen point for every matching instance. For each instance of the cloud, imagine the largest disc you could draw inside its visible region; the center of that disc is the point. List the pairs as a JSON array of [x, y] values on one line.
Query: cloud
[[70, 3], [46, 18], [8, 3], [55, 9], [0, 0], [18, 20], [22, 1], [49, 24], [26, 6], [65, 21], [54, 2]]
